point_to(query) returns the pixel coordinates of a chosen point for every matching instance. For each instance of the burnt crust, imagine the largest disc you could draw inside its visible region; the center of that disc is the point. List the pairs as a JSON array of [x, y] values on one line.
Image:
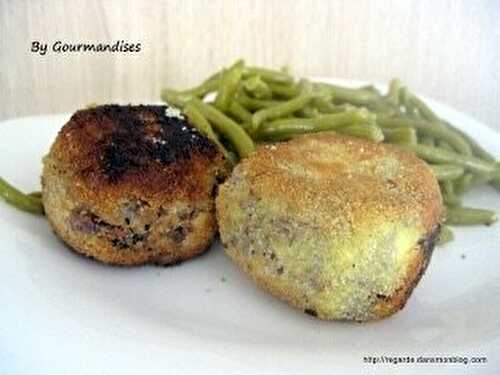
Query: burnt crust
[[388, 305], [113, 145]]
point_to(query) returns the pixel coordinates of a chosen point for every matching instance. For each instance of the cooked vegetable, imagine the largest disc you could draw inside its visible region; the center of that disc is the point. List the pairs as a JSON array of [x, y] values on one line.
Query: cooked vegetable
[[25, 202], [371, 132], [227, 127], [228, 84], [469, 216], [446, 235], [435, 130], [197, 119], [269, 75], [253, 104], [296, 126], [283, 109], [36, 194], [284, 90], [348, 95], [257, 87], [404, 135], [449, 195], [438, 155], [448, 171], [237, 110]]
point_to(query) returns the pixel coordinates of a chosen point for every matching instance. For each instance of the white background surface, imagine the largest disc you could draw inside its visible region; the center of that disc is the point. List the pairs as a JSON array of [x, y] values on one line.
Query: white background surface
[[447, 49], [64, 314]]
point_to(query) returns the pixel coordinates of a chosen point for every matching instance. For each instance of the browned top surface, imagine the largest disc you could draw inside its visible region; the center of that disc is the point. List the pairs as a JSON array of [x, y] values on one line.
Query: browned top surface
[[333, 176], [137, 148]]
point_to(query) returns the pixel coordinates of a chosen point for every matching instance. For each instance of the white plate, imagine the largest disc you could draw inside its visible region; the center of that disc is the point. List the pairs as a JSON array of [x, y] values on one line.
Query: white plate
[[63, 314]]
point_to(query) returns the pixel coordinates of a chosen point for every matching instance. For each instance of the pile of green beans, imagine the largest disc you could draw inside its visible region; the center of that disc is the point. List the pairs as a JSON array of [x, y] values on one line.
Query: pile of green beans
[[241, 106]]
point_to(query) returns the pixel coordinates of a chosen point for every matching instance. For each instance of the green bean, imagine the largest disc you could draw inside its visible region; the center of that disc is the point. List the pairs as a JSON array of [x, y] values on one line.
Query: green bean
[[440, 156], [383, 107], [286, 130], [444, 145], [308, 112], [176, 98], [20, 200], [252, 104], [456, 141], [446, 235], [227, 127], [257, 88], [480, 179], [327, 122], [268, 75], [283, 109], [400, 135], [240, 112], [423, 109], [180, 98], [447, 171], [367, 131], [208, 86], [393, 95], [285, 69], [295, 126], [410, 109], [449, 195], [472, 182], [326, 106], [435, 130], [35, 194], [464, 183], [496, 183], [197, 119], [370, 88], [477, 150], [352, 96], [286, 91], [228, 85], [426, 140], [469, 216]]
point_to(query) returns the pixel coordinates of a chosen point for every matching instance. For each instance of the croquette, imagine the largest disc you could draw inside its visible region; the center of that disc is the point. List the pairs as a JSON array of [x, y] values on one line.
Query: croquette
[[341, 228], [130, 185]]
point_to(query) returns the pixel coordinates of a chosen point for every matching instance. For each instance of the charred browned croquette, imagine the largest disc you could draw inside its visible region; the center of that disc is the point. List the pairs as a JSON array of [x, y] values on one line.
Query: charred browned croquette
[[130, 185]]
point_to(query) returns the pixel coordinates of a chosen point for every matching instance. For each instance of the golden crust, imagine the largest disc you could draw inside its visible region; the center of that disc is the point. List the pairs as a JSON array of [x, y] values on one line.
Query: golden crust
[[327, 170], [313, 217], [128, 185]]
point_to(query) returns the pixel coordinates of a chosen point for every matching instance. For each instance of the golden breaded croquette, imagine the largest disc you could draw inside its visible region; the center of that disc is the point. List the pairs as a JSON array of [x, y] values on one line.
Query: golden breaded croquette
[[130, 185], [341, 228]]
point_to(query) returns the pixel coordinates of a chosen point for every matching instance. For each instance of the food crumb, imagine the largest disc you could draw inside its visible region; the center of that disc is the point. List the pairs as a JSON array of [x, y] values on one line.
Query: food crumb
[[172, 111]]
